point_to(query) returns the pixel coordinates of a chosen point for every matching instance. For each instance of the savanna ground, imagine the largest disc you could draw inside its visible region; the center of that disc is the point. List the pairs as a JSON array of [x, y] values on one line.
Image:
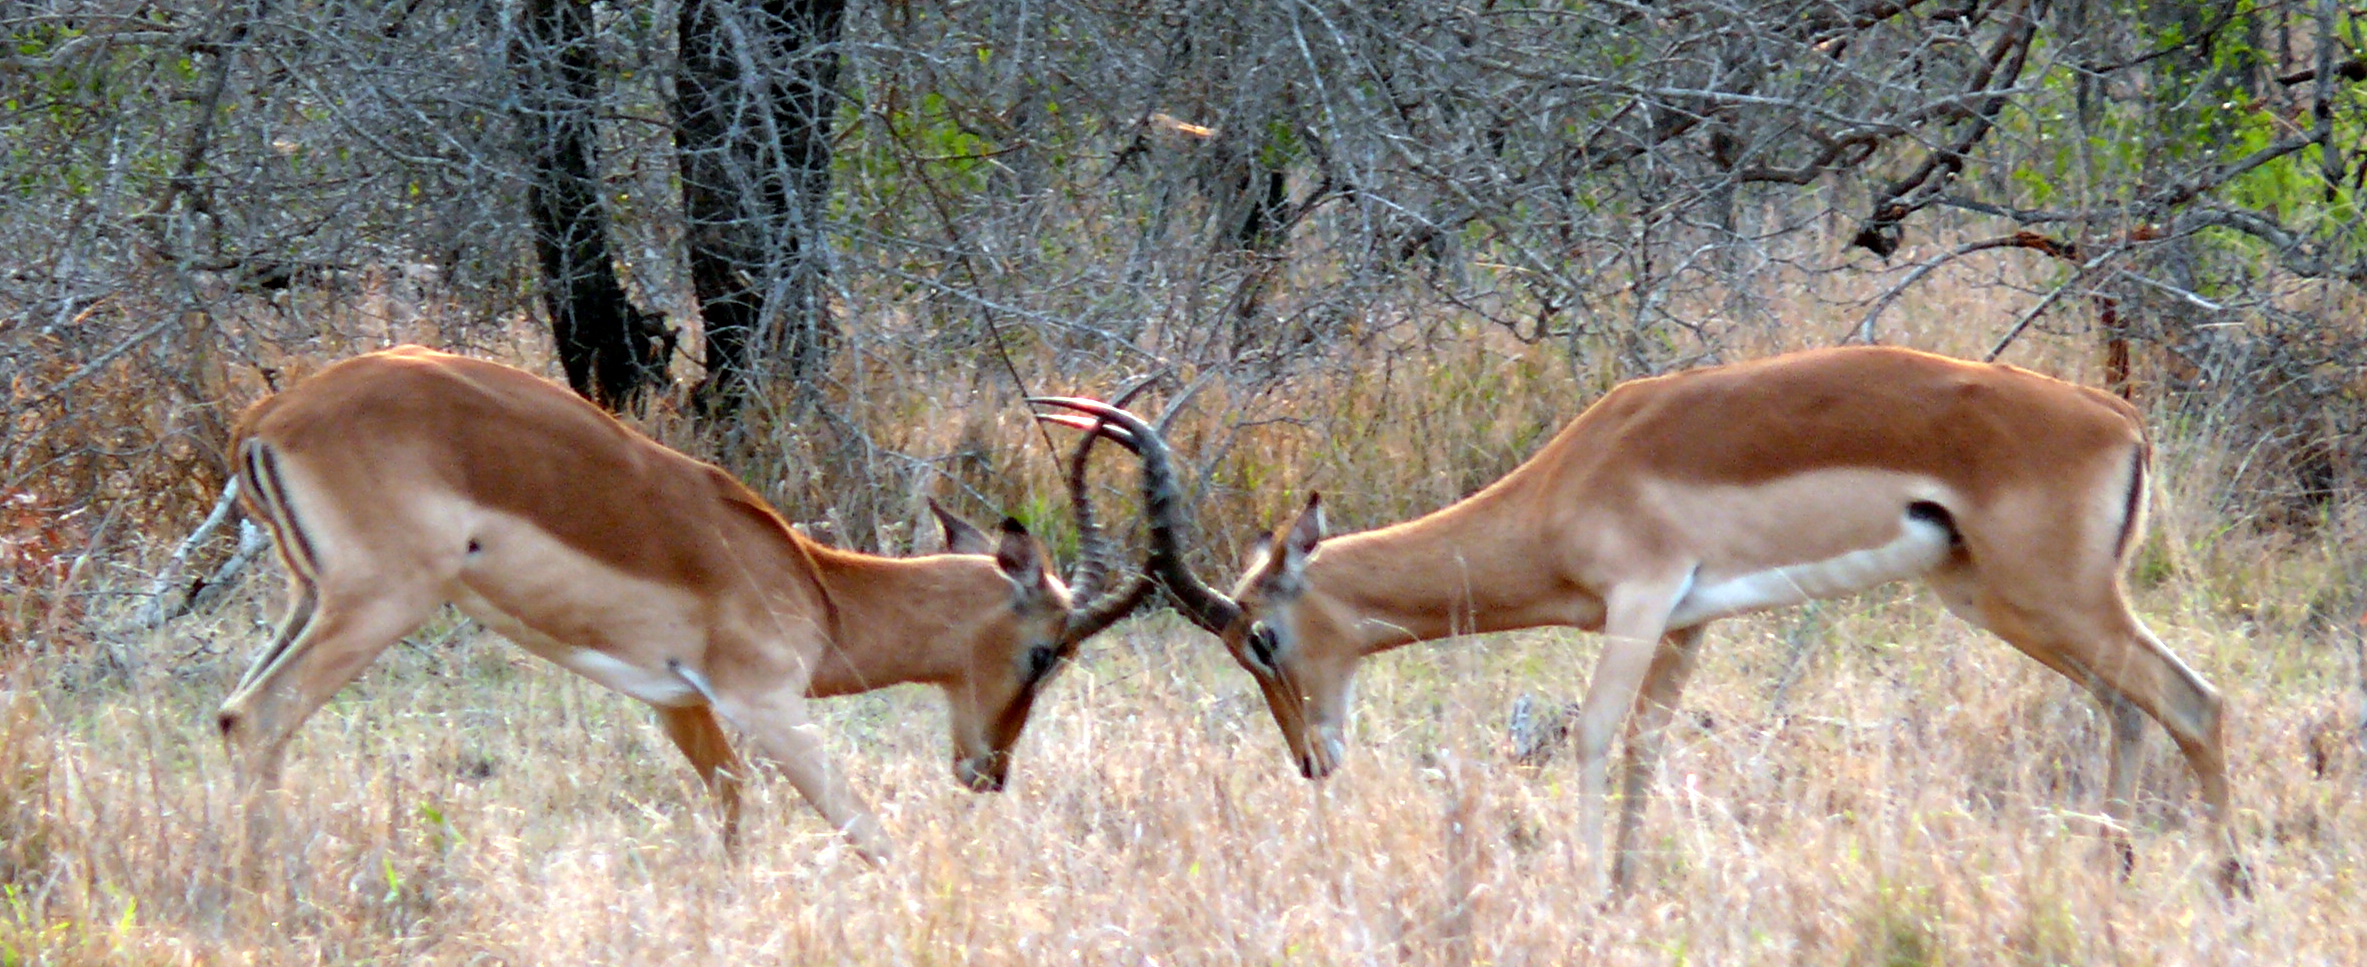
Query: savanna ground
[[1858, 782]]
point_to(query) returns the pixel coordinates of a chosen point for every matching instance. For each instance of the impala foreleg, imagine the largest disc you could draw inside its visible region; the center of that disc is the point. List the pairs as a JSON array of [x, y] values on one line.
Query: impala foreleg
[[1647, 734], [785, 736], [700, 737], [1636, 617]]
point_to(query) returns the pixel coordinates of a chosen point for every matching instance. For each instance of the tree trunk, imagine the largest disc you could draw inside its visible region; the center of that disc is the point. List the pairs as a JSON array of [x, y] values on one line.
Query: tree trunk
[[756, 96], [612, 351]]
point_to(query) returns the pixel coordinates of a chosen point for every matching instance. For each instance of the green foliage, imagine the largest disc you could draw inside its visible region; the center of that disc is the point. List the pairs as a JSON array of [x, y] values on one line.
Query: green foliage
[[92, 116], [2193, 97], [27, 937], [918, 151]]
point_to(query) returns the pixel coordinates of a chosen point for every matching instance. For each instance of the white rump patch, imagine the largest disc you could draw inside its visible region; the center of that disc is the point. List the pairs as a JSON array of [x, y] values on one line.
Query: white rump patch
[[1922, 545]]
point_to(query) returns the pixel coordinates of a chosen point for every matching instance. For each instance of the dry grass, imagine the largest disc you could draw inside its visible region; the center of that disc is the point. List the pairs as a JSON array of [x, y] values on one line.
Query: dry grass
[[1911, 792]]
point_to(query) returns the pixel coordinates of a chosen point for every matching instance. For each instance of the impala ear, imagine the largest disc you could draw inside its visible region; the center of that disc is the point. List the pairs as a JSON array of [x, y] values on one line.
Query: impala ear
[[1307, 531], [1261, 551], [960, 536], [1021, 559], [1286, 552]]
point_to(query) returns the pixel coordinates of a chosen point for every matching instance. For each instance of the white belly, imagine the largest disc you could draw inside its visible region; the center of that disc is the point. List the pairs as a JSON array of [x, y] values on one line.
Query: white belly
[[1922, 545], [656, 685]]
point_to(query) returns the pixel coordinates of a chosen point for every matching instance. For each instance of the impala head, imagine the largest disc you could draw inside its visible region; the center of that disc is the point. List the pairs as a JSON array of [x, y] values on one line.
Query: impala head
[[1288, 635], [1014, 652], [1297, 642]]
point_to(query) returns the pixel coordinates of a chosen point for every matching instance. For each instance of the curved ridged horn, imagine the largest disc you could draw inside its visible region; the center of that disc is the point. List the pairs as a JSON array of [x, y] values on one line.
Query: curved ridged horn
[[1163, 505], [1094, 609]]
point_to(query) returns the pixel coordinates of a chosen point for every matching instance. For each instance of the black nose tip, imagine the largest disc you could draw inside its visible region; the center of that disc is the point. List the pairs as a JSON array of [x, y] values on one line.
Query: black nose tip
[[227, 722]]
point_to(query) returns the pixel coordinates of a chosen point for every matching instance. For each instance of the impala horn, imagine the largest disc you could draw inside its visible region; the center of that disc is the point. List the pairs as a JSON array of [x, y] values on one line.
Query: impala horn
[[1162, 500], [1097, 607]]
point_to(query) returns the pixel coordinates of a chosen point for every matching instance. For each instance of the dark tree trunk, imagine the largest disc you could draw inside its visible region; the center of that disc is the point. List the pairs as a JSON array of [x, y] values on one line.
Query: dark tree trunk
[[612, 352], [1263, 229], [755, 98]]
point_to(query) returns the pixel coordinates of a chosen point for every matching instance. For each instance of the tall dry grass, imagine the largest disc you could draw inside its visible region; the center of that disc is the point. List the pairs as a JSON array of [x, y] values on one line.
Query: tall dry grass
[[1857, 782], [1869, 782]]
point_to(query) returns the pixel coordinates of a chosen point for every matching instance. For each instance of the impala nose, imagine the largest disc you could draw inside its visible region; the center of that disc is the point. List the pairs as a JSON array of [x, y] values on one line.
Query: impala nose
[[983, 773], [1324, 753]]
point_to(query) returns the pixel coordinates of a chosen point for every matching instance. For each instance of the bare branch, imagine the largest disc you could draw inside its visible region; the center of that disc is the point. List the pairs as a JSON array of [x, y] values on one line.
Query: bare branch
[[2031, 315]]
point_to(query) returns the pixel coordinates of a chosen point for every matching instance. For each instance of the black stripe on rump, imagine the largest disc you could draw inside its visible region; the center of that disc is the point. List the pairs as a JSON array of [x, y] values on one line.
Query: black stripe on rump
[[264, 480], [2134, 506]]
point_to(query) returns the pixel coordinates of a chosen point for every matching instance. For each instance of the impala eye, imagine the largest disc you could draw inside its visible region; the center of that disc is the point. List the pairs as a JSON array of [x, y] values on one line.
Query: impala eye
[[1040, 661], [1263, 644]]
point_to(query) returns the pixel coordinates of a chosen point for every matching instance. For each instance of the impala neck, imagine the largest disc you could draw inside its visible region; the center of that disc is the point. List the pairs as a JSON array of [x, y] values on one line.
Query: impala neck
[[898, 619], [1482, 564]]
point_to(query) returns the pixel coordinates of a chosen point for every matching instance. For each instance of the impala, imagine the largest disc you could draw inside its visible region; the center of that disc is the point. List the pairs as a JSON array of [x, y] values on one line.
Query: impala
[[1682, 499], [395, 482]]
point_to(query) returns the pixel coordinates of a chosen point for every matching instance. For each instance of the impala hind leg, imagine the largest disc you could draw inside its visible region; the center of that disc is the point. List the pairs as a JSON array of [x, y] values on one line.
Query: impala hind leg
[[337, 636], [2163, 687], [2094, 640], [700, 737], [2125, 666], [785, 736], [2120, 784], [302, 601], [328, 640], [1647, 734], [2130, 671]]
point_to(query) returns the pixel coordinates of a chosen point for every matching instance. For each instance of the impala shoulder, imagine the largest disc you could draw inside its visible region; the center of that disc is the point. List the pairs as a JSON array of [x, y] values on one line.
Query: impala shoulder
[[740, 499]]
